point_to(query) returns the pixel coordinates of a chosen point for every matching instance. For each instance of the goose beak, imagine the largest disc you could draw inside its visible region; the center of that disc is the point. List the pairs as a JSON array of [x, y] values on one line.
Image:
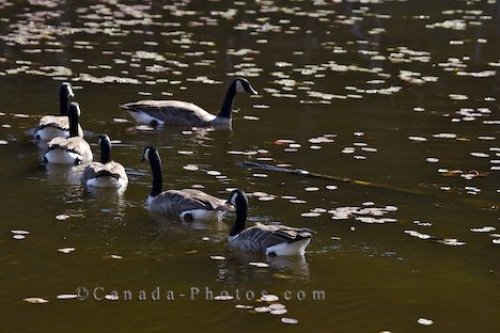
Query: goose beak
[[143, 159]]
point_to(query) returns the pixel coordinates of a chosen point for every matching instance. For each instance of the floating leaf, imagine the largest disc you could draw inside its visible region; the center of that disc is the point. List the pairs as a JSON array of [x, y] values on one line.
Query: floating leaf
[[278, 312], [425, 322], [269, 298], [289, 321], [417, 138], [262, 309], [62, 217], [483, 229], [66, 250], [67, 296], [35, 300], [259, 264], [191, 167], [20, 232], [310, 214], [223, 298]]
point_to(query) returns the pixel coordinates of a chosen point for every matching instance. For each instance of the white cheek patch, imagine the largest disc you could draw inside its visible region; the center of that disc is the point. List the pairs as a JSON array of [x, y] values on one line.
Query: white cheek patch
[[233, 199], [146, 154], [239, 86]]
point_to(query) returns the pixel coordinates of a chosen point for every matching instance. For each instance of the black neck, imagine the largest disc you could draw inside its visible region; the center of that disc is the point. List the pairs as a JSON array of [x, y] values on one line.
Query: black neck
[[73, 124], [105, 151], [241, 217], [63, 102], [155, 163], [227, 106]]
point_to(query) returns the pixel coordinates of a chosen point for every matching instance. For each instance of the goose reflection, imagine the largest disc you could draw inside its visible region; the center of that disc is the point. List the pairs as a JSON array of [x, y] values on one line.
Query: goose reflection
[[167, 224], [112, 200], [63, 174], [239, 267]]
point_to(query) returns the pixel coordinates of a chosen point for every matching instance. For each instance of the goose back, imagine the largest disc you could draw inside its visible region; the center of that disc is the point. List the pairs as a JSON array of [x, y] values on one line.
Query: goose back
[[269, 239], [171, 112], [74, 150], [187, 201], [110, 174]]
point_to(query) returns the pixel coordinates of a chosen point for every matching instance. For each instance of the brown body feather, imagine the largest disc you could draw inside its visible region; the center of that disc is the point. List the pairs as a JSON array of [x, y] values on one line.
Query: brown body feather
[[175, 202], [171, 112], [260, 237]]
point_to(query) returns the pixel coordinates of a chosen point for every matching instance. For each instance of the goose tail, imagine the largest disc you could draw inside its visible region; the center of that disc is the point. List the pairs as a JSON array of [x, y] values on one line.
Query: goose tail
[[296, 246]]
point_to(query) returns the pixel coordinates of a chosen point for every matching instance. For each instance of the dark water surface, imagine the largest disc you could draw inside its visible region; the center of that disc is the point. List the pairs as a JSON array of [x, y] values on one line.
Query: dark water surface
[[402, 94]]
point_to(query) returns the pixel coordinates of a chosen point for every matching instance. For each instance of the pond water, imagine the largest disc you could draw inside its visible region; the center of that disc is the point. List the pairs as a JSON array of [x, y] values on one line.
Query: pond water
[[399, 96]]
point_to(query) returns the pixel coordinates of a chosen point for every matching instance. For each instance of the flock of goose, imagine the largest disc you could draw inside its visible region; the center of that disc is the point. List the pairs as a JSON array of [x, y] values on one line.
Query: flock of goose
[[66, 145]]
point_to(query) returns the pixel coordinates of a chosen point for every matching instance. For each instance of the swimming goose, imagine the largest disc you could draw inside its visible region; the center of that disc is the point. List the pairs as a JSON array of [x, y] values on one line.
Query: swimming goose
[[106, 173], [73, 150], [51, 126], [188, 204], [172, 112], [273, 240]]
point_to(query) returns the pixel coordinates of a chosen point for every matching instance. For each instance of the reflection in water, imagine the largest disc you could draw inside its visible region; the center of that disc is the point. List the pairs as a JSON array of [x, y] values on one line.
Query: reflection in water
[[239, 267], [60, 174], [42, 147], [294, 267], [112, 198], [167, 224]]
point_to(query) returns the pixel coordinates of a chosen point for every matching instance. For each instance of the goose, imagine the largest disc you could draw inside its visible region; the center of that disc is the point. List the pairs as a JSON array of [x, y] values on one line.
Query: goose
[[187, 204], [73, 150], [106, 173], [51, 126], [273, 240], [173, 112]]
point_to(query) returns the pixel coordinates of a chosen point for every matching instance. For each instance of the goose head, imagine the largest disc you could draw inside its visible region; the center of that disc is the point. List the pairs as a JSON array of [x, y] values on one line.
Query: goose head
[[65, 93], [103, 140], [105, 144], [150, 153], [242, 85], [238, 199], [66, 90]]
